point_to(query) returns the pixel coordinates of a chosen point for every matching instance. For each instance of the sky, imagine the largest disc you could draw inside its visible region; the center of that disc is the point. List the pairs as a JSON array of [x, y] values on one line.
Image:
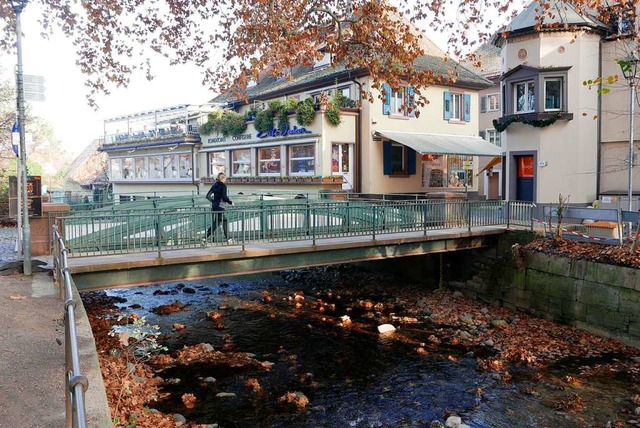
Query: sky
[[74, 122]]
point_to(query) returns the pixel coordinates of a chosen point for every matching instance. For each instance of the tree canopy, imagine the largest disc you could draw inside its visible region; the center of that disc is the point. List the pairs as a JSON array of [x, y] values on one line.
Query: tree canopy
[[237, 41]]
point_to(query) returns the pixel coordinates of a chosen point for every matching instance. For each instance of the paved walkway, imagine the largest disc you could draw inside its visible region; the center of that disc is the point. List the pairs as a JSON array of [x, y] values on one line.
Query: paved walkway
[[32, 368]]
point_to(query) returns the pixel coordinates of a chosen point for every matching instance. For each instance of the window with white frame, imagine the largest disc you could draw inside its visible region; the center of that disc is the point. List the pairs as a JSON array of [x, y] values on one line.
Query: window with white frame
[[493, 136], [141, 167], [493, 102], [116, 169], [302, 159], [155, 167], [553, 94], [241, 162], [525, 97], [269, 161], [217, 163], [399, 102], [127, 168], [169, 165], [186, 170]]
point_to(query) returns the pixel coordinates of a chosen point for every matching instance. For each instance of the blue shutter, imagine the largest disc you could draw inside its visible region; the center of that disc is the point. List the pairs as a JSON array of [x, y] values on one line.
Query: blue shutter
[[386, 107], [411, 161], [411, 101], [467, 107], [387, 165], [447, 105]]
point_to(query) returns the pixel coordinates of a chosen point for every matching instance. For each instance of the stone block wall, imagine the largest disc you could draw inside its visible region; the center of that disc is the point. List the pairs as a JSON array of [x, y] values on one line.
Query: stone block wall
[[597, 297]]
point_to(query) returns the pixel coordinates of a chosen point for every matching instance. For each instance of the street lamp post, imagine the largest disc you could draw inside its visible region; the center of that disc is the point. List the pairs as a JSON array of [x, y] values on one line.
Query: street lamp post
[[630, 70], [18, 6]]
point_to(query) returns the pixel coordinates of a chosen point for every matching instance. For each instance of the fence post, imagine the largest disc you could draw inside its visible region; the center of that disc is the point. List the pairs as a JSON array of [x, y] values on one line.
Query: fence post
[[158, 235], [313, 224], [424, 217], [243, 229], [469, 215], [508, 210], [531, 213], [375, 216]]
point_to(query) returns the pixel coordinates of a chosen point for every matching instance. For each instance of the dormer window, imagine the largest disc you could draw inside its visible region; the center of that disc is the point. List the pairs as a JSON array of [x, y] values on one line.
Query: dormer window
[[324, 62]]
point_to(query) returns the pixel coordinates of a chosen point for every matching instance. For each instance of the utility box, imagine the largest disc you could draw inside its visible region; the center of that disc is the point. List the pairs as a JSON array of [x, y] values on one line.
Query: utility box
[[621, 201]]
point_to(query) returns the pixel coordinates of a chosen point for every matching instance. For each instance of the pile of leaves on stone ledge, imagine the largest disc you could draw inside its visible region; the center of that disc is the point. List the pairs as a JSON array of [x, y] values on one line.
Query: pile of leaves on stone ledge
[[591, 251]]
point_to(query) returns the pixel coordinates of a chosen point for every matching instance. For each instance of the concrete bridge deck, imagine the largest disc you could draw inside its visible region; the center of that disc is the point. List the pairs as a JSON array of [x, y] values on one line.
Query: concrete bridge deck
[[122, 270]]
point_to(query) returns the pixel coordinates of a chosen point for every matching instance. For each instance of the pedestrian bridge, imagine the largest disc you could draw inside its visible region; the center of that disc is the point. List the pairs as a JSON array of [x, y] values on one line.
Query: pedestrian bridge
[[121, 247]]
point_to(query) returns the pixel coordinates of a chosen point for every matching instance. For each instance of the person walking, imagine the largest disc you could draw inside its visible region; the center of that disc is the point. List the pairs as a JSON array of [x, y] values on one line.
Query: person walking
[[219, 199]]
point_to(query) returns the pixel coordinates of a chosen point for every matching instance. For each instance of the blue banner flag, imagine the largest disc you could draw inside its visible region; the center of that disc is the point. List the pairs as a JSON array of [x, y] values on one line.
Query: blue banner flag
[[15, 138]]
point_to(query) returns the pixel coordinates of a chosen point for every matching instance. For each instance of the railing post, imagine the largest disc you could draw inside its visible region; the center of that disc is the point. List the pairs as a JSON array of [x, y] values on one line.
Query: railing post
[[158, 234], [469, 215], [531, 208], [424, 217], [508, 210], [242, 228], [374, 216], [313, 225]]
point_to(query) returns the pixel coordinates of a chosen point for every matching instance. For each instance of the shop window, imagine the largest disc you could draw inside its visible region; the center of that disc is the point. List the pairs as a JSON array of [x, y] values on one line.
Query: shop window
[[398, 159], [457, 107], [269, 161], [447, 171], [116, 169], [217, 164], [302, 159], [241, 162]]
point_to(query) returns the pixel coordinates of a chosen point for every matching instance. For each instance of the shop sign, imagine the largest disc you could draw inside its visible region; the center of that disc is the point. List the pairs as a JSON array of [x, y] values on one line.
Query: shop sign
[[275, 132]]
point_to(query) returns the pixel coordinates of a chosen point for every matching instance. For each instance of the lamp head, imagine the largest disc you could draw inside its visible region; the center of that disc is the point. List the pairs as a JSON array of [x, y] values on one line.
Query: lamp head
[[18, 5], [630, 66]]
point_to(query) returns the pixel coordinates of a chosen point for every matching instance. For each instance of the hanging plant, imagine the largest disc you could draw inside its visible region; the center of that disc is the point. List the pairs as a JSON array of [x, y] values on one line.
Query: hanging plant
[[264, 120], [232, 123], [536, 123], [333, 114], [283, 120], [206, 128], [306, 112]]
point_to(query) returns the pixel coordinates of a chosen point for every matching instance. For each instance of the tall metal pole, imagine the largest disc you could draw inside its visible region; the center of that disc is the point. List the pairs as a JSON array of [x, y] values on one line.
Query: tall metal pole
[[26, 230], [632, 104]]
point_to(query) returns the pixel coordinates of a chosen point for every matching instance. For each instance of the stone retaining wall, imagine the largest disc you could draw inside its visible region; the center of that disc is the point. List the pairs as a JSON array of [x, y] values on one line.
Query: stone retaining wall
[[597, 297]]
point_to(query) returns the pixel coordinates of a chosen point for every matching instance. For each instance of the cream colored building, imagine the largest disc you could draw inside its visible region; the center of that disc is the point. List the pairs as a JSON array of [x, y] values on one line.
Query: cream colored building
[[563, 135]]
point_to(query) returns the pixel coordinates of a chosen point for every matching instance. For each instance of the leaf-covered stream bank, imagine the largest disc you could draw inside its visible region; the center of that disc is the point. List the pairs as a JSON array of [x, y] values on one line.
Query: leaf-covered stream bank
[[302, 349]]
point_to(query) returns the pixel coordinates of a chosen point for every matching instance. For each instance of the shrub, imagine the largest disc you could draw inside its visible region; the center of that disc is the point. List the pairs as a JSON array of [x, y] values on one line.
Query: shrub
[[264, 120], [306, 112], [232, 123], [333, 114]]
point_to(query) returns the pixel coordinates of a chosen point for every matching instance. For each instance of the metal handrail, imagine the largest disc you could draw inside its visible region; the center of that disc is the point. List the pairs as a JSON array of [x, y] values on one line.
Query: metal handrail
[[76, 383], [122, 232]]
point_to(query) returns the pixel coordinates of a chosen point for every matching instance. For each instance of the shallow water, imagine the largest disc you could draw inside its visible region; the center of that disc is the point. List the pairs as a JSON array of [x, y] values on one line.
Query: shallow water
[[353, 377]]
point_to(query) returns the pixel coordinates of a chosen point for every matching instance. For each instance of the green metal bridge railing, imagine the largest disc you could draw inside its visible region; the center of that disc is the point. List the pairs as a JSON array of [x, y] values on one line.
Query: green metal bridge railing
[[124, 231]]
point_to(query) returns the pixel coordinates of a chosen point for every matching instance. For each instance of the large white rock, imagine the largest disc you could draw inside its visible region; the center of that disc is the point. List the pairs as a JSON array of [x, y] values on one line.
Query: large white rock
[[453, 422], [386, 328]]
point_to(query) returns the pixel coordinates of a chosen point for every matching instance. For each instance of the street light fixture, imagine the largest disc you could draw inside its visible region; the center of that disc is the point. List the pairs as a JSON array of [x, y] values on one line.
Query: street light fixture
[[630, 70], [18, 6]]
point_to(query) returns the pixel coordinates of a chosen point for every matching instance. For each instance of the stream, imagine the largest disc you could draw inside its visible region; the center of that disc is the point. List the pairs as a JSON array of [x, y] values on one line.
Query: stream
[[352, 375]]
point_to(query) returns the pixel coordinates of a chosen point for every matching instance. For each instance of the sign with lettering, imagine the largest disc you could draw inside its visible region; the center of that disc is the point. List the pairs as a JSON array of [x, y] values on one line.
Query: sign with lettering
[[34, 196], [275, 132]]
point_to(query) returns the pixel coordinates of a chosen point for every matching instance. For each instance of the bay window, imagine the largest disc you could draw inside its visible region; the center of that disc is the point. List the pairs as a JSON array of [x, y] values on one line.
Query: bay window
[[525, 97], [553, 94]]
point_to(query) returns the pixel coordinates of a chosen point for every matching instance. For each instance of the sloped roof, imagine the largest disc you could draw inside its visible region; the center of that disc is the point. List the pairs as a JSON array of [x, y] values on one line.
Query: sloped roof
[[490, 61], [308, 78], [559, 12]]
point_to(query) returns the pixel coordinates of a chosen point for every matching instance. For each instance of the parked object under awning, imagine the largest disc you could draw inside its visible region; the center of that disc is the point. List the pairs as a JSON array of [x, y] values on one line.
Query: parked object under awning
[[442, 144], [493, 162]]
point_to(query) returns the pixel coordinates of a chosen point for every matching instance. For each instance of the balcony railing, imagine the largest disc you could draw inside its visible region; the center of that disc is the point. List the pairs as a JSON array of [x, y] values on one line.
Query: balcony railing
[[151, 135]]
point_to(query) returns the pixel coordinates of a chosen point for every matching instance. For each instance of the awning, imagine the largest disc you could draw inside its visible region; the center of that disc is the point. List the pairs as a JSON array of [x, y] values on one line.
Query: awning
[[442, 144], [495, 161]]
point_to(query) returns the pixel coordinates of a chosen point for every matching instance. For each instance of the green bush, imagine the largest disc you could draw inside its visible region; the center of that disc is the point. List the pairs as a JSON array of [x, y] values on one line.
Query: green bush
[[264, 120], [333, 114], [232, 123], [306, 112], [283, 119]]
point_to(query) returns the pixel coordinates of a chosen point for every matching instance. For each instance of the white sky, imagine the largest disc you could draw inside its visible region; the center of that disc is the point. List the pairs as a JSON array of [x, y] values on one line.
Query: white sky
[[66, 109]]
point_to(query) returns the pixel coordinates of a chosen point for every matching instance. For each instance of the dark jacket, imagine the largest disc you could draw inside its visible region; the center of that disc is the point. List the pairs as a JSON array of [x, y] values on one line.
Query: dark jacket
[[218, 194]]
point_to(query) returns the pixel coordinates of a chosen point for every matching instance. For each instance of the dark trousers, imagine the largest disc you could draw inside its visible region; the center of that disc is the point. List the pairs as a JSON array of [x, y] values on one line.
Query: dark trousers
[[218, 217]]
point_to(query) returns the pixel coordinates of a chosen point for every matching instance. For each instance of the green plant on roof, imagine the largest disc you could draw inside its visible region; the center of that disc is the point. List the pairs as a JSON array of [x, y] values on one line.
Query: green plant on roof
[[306, 112]]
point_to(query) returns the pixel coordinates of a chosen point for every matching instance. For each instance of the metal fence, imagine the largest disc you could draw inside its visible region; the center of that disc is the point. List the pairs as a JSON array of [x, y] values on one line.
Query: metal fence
[[75, 383], [129, 231]]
